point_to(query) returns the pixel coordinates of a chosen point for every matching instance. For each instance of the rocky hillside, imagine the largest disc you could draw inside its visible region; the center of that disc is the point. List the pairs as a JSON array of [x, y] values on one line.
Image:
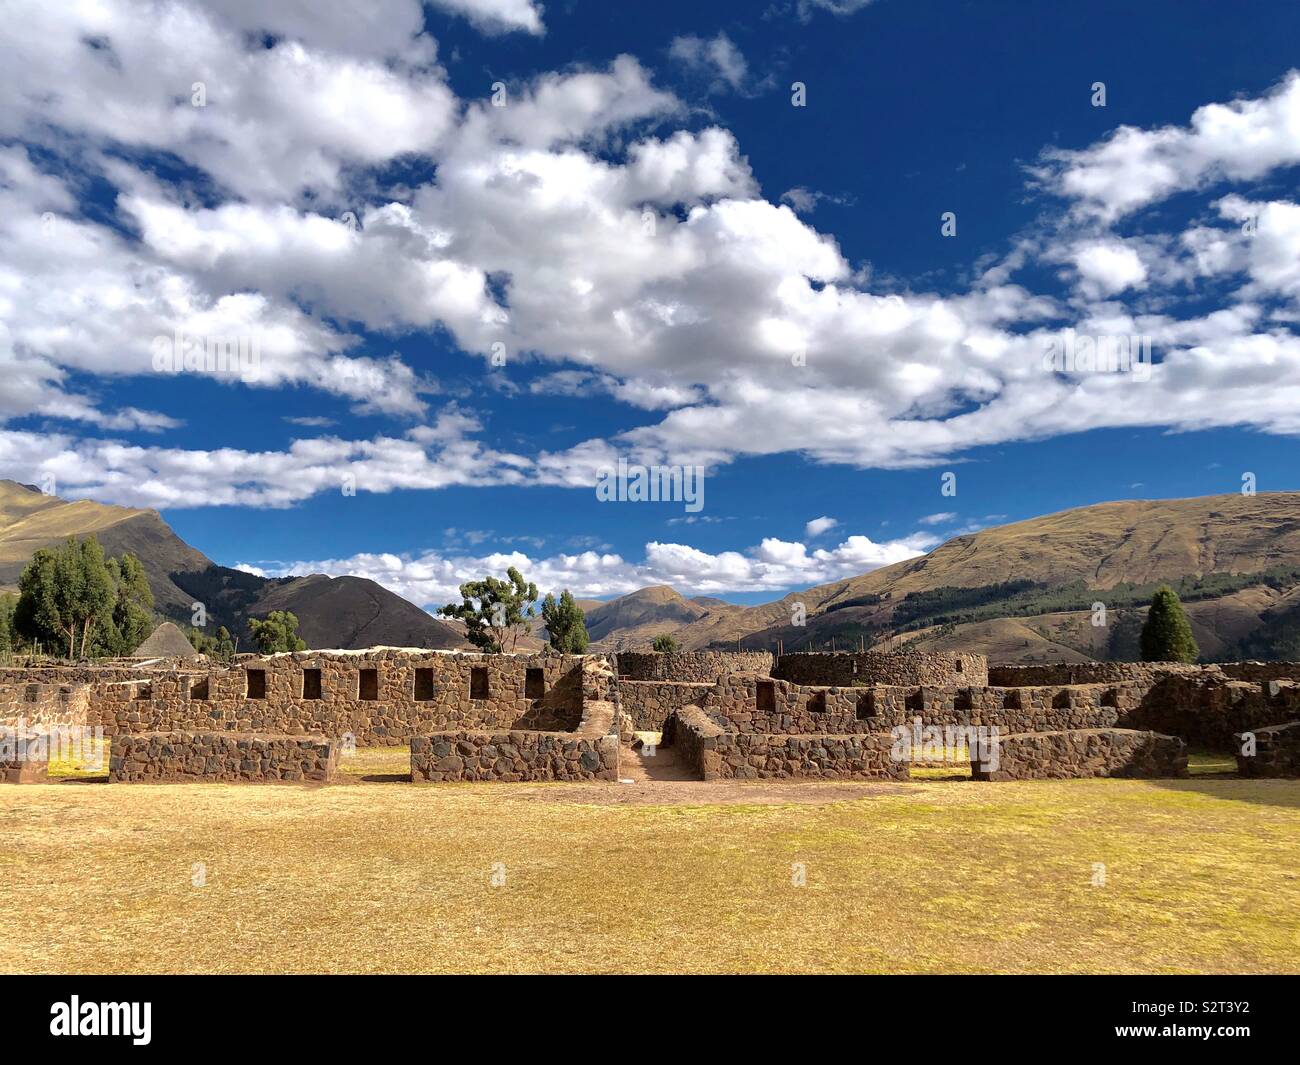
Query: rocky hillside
[[345, 612]]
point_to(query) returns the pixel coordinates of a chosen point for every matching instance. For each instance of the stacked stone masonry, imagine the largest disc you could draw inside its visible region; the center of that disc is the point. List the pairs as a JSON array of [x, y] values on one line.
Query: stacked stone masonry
[[45, 704], [1276, 751], [716, 754], [380, 697], [803, 714], [649, 702], [1084, 753], [698, 667], [513, 756], [171, 757], [880, 667], [23, 759]]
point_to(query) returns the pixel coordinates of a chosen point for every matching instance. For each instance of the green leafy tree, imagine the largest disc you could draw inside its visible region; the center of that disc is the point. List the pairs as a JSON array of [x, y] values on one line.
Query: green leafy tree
[[495, 612], [278, 631], [43, 614], [221, 646], [8, 637], [1167, 635], [75, 598], [132, 615], [63, 593], [97, 591], [225, 644], [565, 623], [664, 644]]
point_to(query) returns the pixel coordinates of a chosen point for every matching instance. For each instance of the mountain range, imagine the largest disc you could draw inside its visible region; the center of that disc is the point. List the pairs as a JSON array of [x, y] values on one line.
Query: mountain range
[[1069, 586], [347, 612]]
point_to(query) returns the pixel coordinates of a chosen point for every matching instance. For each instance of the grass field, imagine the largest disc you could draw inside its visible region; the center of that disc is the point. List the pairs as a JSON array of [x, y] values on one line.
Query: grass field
[[1200, 875]]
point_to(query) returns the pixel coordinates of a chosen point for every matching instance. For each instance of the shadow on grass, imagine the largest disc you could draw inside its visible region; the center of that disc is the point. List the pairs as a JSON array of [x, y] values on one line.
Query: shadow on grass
[[1215, 773]]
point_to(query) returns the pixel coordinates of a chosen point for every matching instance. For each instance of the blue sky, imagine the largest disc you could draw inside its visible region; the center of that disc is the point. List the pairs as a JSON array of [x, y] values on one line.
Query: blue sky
[[678, 265]]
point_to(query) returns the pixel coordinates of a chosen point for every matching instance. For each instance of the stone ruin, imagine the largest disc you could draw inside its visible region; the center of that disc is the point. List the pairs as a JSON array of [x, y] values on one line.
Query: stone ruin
[[741, 715]]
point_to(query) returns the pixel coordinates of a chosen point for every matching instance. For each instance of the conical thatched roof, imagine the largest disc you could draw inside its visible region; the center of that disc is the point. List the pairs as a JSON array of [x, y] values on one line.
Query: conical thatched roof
[[167, 641]]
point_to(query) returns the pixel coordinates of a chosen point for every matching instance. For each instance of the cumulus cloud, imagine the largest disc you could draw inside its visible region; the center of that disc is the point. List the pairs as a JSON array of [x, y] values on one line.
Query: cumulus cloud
[[432, 578], [498, 16], [571, 228], [1108, 266], [1132, 168], [818, 526]]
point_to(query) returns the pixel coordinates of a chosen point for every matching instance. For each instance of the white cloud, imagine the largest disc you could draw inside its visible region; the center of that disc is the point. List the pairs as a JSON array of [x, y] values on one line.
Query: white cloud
[[498, 16], [942, 518], [1133, 167], [275, 122], [433, 456], [432, 578], [806, 8], [717, 57], [567, 226], [818, 526], [1108, 266]]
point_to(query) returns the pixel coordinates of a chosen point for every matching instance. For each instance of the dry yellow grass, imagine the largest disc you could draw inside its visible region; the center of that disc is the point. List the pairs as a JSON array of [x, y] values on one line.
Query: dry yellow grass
[[1201, 875]]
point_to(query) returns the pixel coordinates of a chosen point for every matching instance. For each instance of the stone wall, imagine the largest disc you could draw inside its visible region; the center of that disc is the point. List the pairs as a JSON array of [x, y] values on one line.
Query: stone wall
[[1277, 752], [383, 696], [1208, 710], [699, 667], [1060, 673], [715, 754], [882, 667], [23, 759], [649, 702], [1261, 671], [749, 703], [1085, 753], [513, 756], [65, 704], [171, 757]]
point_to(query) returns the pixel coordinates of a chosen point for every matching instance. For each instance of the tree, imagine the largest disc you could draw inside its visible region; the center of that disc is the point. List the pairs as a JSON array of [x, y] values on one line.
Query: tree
[[132, 617], [1167, 636], [494, 611], [73, 596], [565, 623], [8, 637], [97, 592], [664, 644], [277, 632], [221, 646]]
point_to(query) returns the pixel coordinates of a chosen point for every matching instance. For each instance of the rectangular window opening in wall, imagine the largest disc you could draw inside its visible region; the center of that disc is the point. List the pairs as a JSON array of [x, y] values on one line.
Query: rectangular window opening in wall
[[311, 683], [256, 684], [368, 684], [817, 703], [423, 685], [534, 683], [766, 697], [144, 691], [866, 705], [199, 689], [957, 667], [478, 682]]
